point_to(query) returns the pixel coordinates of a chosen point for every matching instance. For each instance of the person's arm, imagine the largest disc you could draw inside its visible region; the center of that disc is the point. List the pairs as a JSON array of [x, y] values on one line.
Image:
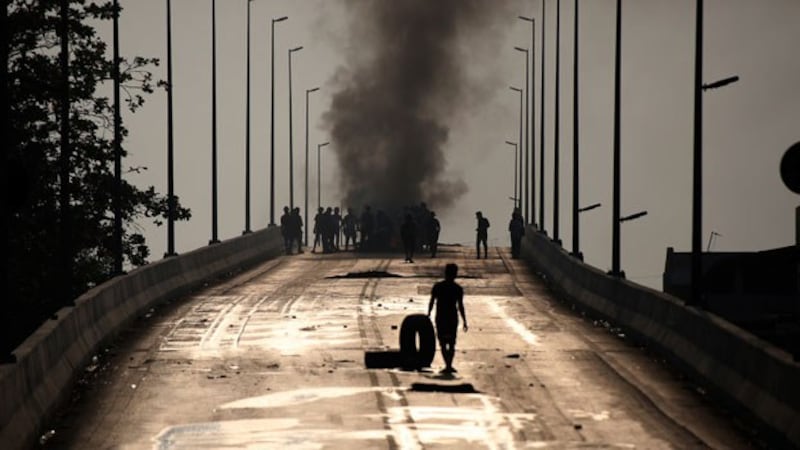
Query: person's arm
[[430, 304], [460, 304]]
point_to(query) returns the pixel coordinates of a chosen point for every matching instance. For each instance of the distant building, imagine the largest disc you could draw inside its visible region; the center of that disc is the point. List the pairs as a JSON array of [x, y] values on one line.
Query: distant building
[[759, 291]]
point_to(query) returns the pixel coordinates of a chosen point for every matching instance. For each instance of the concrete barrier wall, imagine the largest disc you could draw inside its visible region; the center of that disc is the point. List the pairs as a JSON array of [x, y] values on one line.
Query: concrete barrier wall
[[751, 375], [49, 361]]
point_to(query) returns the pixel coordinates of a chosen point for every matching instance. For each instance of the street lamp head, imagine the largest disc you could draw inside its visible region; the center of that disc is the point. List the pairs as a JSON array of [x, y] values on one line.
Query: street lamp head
[[511, 143], [721, 83], [323, 144], [280, 19], [312, 90], [521, 49], [296, 49], [515, 89], [633, 216], [527, 19]]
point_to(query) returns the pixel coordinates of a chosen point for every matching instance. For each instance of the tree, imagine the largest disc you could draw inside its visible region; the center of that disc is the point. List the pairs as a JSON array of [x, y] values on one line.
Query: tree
[[33, 150]]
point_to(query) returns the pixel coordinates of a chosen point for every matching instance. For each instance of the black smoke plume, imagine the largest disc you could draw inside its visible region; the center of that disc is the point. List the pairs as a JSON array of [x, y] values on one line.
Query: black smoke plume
[[404, 81]]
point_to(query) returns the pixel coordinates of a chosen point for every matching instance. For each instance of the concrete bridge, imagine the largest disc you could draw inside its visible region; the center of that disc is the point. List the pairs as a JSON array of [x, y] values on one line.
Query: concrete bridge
[[235, 346]]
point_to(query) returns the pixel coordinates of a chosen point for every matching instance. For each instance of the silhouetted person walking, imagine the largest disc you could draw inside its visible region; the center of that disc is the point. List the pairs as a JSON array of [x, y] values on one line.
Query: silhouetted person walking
[[349, 224], [367, 226], [408, 233], [327, 231], [286, 230], [482, 235], [449, 299], [433, 230], [517, 229], [297, 230], [337, 227], [317, 229]]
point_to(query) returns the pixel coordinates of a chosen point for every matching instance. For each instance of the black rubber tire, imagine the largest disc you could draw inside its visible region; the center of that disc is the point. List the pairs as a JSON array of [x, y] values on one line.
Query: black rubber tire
[[389, 359], [412, 326]]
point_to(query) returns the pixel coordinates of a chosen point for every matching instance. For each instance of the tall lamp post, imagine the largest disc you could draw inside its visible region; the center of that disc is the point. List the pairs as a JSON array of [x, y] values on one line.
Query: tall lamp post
[[615, 225], [305, 206], [541, 121], [521, 93], [117, 150], [516, 164], [530, 129], [576, 221], [526, 154], [291, 132], [170, 143], [319, 174], [64, 171], [557, 126], [697, 172], [272, 124], [214, 228], [247, 229]]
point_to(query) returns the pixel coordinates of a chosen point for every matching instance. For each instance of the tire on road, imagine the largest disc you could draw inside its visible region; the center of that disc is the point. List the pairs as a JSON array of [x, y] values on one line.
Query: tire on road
[[413, 326], [389, 359]]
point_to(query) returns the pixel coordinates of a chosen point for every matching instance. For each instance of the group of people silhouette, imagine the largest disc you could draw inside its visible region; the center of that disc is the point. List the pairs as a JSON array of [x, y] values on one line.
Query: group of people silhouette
[[419, 231], [367, 231]]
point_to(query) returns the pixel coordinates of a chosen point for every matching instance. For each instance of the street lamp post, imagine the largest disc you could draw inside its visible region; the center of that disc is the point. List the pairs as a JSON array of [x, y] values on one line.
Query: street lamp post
[[64, 196], [305, 206], [247, 135], [557, 120], [117, 150], [697, 172], [576, 225], [541, 122], [530, 129], [214, 228], [521, 93], [523, 192], [272, 124], [319, 174], [170, 143], [615, 226], [516, 164], [291, 133]]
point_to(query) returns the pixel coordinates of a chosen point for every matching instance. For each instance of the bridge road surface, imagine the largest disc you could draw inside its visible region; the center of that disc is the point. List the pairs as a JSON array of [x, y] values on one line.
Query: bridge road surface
[[273, 358]]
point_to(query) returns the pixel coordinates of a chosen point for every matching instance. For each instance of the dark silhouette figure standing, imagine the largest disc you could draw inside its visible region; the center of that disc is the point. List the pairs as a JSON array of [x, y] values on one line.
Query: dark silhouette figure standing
[[517, 229], [327, 231], [337, 227], [349, 224], [482, 235], [317, 229], [297, 230], [433, 229], [449, 299], [367, 225], [286, 230], [408, 232]]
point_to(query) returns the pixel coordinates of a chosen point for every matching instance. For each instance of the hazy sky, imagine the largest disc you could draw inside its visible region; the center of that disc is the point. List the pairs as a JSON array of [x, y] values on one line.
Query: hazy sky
[[748, 125]]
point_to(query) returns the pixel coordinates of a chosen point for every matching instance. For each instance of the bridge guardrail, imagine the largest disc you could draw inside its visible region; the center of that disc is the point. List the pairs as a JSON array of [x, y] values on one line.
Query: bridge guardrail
[[751, 375], [49, 361]]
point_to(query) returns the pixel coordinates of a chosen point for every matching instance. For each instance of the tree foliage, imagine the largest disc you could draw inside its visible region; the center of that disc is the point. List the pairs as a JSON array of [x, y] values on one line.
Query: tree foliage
[[33, 143]]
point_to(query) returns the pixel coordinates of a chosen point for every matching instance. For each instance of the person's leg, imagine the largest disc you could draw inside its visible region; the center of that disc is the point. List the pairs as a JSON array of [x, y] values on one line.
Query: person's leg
[[478, 246], [448, 353]]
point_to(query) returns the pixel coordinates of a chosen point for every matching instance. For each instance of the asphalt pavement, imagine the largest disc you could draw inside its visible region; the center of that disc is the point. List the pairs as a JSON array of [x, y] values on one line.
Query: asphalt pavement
[[274, 358]]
